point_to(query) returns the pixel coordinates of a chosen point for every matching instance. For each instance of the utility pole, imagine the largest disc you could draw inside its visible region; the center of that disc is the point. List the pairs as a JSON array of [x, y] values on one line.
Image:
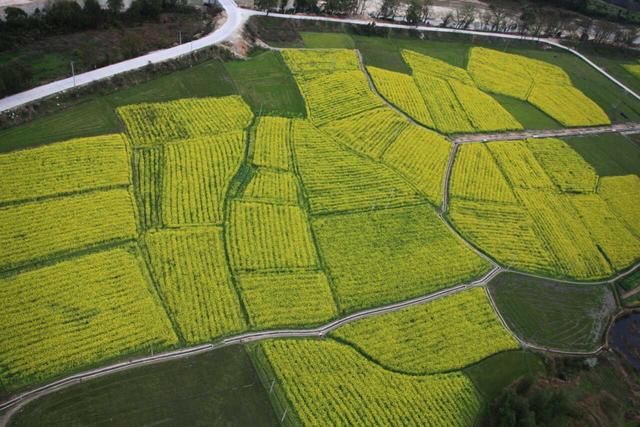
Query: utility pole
[[179, 37], [73, 74]]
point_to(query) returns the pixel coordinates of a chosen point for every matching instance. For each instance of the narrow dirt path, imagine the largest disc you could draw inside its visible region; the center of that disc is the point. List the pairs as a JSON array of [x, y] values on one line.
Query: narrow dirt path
[[546, 133]]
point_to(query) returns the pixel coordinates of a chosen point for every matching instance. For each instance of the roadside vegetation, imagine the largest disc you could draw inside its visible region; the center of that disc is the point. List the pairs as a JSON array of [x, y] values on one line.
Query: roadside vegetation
[[44, 46]]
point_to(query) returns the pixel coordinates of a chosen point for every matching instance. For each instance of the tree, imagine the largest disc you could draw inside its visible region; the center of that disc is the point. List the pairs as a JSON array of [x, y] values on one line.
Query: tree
[[389, 9], [115, 6], [425, 10], [464, 16], [15, 17], [141, 9], [267, 5], [340, 7], [15, 76], [498, 18], [603, 32], [446, 19], [93, 13], [413, 15], [65, 15]]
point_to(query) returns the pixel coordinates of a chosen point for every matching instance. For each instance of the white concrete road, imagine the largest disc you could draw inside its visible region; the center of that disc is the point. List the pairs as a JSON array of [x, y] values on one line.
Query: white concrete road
[[233, 22]]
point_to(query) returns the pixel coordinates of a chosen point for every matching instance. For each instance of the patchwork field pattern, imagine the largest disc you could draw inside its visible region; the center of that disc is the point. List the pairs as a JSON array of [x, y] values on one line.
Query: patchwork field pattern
[[401, 90], [331, 383], [563, 221], [544, 85], [294, 299], [452, 98], [457, 331], [196, 176], [336, 179], [32, 231], [202, 221], [389, 255]]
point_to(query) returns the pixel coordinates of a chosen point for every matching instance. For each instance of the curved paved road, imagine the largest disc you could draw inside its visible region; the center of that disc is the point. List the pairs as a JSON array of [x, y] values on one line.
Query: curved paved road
[[546, 133], [233, 22]]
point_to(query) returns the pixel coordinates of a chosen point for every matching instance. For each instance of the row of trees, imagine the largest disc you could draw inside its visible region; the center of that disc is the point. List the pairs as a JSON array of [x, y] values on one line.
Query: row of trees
[[534, 20], [65, 16]]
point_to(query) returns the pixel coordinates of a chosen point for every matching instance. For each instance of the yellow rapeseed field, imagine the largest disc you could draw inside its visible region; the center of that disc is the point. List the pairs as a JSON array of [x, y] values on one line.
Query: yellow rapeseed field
[[544, 85], [157, 123], [191, 270], [36, 230], [263, 236], [272, 186], [75, 313], [196, 176], [337, 179], [422, 157], [448, 333], [290, 299], [65, 167], [328, 383], [622, 194], [391, 255], [271, 147], [401, 90], [368, 133], [476, 176]]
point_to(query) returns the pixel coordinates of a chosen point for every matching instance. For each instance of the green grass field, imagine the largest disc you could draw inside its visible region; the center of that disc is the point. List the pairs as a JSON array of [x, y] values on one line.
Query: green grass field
[[218, 387], [609, 154], [96, 115], [266, 85], [327, 40], [630, 282], [528, 115], [553, 314], [494, 373]]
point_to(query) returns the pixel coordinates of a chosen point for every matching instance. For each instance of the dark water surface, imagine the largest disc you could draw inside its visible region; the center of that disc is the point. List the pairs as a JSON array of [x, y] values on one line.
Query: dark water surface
[[625, 338]]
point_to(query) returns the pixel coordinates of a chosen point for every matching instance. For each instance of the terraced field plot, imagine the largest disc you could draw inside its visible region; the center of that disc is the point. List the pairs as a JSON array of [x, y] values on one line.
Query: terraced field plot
[[555, 315], [563, 219]]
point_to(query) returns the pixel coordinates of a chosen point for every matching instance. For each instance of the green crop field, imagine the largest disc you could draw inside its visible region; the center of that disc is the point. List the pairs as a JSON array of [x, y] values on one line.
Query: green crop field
[[294, 188], [553, 314], [220, 385]]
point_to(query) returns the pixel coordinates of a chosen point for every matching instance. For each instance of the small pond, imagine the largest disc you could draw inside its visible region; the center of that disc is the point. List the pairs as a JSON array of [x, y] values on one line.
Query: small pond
[[625, 338]]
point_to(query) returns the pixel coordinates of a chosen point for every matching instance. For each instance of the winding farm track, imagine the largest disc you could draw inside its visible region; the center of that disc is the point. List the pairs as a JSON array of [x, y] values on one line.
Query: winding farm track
[[234, 22], [547, 133]]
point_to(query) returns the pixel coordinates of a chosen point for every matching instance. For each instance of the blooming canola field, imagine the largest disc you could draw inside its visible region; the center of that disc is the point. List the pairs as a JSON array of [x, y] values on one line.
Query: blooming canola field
[[203, 220]]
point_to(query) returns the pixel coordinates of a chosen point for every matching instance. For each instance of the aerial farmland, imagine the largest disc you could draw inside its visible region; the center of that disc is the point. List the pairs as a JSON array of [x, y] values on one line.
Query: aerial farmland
[[335, 228]]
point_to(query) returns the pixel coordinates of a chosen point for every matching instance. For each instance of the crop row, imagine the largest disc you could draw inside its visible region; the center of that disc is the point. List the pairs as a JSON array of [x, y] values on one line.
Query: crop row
[[33, 231], [195, 178], [65, 167], [191, 270], [328, 383], [337, 179], [560, 222], [390, 255], [158, 123]]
